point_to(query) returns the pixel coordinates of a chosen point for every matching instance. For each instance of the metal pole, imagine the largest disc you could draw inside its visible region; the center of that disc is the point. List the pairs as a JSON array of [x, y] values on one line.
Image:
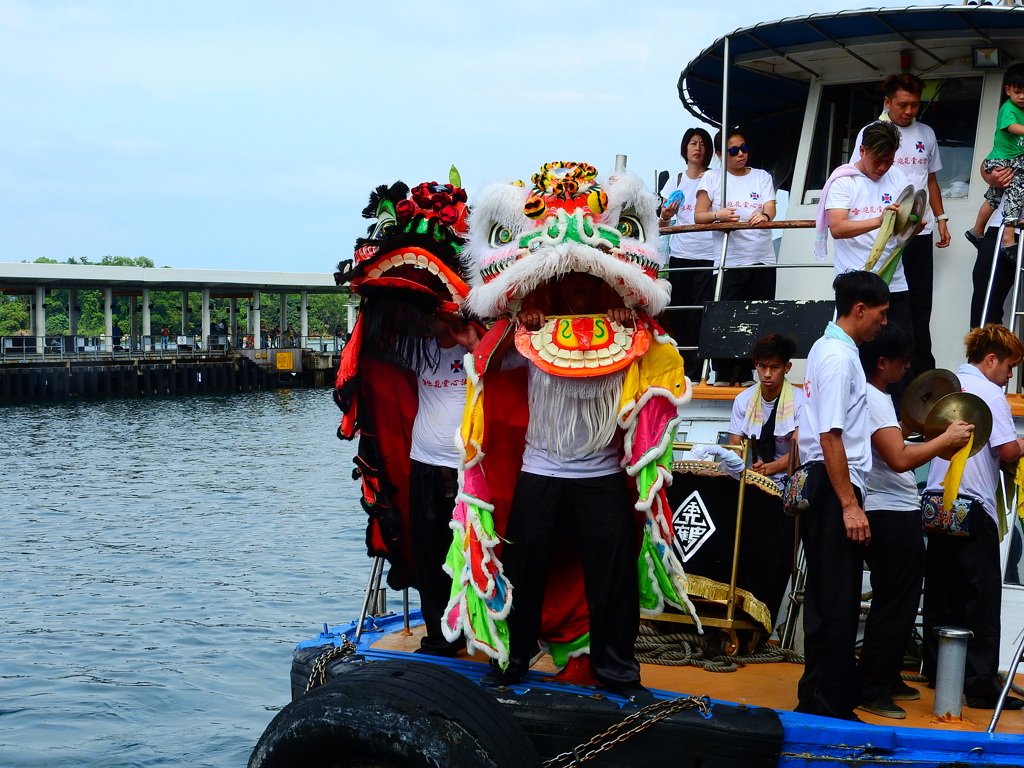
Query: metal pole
[[1010, 674], [949, 671], [406, 632], [371, 587]]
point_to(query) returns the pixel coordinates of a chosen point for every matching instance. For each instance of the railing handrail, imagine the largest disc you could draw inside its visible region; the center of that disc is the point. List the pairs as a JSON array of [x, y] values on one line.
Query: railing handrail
[[731, 226]]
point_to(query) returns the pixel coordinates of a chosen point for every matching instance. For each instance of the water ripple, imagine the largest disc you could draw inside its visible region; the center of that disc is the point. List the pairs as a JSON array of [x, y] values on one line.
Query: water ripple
[[161, 557]]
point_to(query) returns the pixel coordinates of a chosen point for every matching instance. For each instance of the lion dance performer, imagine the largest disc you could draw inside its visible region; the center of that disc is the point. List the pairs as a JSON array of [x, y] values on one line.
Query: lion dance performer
[[401, 384], [562, 520]]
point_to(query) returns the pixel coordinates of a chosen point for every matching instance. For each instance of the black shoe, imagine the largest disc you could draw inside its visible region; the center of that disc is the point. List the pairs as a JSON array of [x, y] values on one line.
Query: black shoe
[[446, 651], [903, 692], [974, 238], [1011, 703], [883, 708], [501, 678], [1009, 252]]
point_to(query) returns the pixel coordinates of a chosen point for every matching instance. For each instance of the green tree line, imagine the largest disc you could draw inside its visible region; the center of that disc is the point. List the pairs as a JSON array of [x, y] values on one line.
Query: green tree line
[[326, 311]]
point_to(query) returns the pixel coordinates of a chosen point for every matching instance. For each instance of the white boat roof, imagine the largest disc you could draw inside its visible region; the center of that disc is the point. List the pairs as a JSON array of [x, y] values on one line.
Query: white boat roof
[[775, 61]]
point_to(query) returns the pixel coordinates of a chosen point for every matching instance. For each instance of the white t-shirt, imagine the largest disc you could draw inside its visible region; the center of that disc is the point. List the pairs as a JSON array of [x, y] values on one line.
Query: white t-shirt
[[442, 394], [982, 469], [689, 246], [917, 156], [747, 193], [887, 489], [739, 417], [538, 460], [836, 393], [866, 199]]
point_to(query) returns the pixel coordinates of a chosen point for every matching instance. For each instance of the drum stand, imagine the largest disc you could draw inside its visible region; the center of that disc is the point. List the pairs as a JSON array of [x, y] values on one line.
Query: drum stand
[[374, 599], [729, 623]]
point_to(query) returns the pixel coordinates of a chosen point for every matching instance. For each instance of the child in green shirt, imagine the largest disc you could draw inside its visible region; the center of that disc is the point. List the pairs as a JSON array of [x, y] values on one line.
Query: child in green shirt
[[1007, 152]]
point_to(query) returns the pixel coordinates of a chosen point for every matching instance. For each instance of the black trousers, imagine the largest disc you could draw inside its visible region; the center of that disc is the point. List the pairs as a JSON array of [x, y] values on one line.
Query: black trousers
[[834, 566], [431, 501], [690, 289], [919, 269], [896, 559], [596, 515], [1001, 286], [743, 285], [963, 589]]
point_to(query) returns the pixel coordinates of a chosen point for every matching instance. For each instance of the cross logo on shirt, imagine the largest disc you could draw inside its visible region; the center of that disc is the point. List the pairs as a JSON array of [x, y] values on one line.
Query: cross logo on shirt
[[457, 365], [886, 199], [754, 196], [920, 146]]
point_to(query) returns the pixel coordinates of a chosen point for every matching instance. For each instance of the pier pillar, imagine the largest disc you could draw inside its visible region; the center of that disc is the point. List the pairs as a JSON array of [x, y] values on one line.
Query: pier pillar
[[257, 337], [133, 332], [108, 319], [283, 306], [147, 320], [205, 335], [39, 317], [303, 317], [233, 321], [351, 318]]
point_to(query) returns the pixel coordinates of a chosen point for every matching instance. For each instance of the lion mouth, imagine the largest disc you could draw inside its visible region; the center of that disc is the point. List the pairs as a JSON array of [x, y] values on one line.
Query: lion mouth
[[587, 345], [415, 269]]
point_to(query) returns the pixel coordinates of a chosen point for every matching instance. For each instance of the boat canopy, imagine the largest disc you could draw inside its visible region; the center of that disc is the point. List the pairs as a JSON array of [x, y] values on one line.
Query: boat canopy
[[774, 62]]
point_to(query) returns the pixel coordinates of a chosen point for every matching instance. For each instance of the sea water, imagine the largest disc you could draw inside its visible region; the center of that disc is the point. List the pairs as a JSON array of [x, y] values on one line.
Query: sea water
[[159, 559]]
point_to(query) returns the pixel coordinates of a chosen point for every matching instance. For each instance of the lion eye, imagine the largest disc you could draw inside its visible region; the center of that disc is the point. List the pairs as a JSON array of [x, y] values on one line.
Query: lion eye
[[385, 226], [629, 226], [499, 236]]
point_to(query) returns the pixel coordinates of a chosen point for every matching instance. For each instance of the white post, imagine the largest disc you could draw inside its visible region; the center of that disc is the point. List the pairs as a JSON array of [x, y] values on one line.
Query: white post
[[147, 321], [108, 318], [233, 321], [257, 337], [133, 307], [350, 319], [184, 313], [39, 318], [303, 317], [206, 319], [283, 320]]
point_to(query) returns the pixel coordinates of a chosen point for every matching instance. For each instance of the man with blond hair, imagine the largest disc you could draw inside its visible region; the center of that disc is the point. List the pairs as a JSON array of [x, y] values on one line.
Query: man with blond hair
[[963, 586]]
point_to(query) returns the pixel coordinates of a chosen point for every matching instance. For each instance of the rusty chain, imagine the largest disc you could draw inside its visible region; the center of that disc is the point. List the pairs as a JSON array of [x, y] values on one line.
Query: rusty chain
[[629, 727], [318, 674]]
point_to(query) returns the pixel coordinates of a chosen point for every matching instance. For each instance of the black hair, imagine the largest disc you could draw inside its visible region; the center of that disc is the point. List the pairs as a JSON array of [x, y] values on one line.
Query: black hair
[[902, 82], [1014, 76], [859, 287], [704, 136], [881, 138], [773, 347], [735, 131], [893, 342]]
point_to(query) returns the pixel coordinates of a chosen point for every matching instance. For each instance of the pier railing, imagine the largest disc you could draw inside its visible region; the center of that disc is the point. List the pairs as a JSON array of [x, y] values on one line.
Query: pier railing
[[52, 347]]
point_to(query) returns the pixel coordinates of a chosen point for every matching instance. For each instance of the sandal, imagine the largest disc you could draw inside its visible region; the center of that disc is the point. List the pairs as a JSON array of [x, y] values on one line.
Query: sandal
[[974, 238]]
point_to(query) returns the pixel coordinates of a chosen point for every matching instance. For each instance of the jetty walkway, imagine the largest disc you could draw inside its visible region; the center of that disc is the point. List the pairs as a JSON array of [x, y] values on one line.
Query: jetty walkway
[[139, 359]]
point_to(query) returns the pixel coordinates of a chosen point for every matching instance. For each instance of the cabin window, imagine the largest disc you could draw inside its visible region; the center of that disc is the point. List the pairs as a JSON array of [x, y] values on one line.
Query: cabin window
[[949, 105]]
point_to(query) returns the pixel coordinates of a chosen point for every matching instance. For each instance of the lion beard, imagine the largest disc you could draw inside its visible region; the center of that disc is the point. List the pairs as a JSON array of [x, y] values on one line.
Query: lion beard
[[573, 417]]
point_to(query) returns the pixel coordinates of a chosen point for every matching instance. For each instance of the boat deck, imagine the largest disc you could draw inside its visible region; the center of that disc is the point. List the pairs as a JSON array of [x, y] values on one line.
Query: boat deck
[[765, 685]]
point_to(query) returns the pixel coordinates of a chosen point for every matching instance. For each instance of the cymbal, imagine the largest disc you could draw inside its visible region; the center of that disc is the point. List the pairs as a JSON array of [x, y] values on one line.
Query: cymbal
[[923, 392], [960, 406], [912, 209]]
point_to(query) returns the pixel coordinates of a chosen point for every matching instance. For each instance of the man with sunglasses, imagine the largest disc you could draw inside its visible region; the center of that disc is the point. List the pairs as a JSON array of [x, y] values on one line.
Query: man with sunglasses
[[918, 158]]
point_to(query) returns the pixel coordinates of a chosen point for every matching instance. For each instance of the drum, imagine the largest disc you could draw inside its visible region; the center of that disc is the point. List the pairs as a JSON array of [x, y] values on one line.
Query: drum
[[703, 501]]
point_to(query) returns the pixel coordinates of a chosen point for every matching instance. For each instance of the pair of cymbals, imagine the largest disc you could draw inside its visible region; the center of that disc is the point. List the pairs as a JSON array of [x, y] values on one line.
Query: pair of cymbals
[[912, 209], [933, 401]]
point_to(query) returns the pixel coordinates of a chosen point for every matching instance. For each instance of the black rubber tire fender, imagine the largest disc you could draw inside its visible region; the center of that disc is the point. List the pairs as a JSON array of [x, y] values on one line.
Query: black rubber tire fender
[[400, 713]]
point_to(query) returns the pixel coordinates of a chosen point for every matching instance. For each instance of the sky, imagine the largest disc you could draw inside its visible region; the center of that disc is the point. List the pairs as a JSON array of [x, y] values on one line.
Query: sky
[[248, 134]]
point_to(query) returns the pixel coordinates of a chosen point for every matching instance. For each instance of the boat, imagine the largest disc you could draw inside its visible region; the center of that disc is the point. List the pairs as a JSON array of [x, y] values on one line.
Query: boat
[[362, 696]]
